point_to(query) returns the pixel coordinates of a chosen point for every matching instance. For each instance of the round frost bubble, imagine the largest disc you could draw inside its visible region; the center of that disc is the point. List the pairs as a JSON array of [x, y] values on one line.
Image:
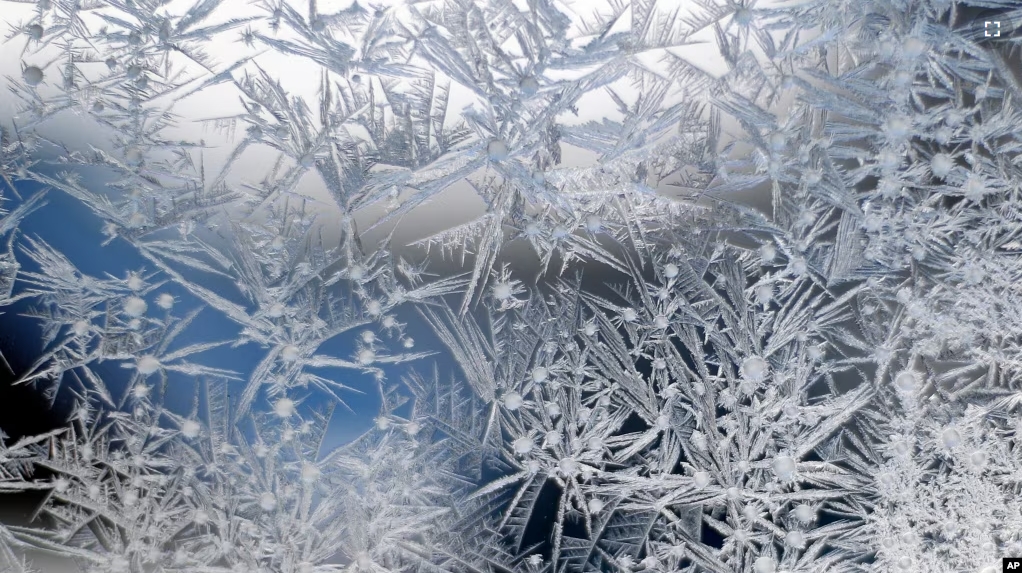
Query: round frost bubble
[[289, 353], [974, 188], [764, 294], [523, 445], [497, 150], [815, 353], [594, 224], [765, 564], [135, 306], [276, 310], [701, 479], [902, 447], [368, 336], [147, 365], [767, 254], [356, 272], [750, 512], [200, 517], [798, 267], [529, 86], [906, 381], [978, 459], [513, 401], [32, 75], [804, 514], [408, 342], [310, 472], [133, 71], [951, 438], [671, 270], [941, 165], [595, 505], [755, 368], [35, 31], [502, 291], [374, 308], [663, 422], [795, 539], [190, 429], [913, 47], [140, 391], [284, 408], [268, 501], [660, 364], [589, 329], [629, 315], [366, 357], [743, 16], [81, 327], [540, 374], [661, 322], [552, 437], [898, 127], [567, 466]]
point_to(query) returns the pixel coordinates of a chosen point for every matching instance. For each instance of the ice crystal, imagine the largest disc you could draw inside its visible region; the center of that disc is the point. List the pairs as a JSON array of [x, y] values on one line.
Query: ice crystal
[[703, 286]]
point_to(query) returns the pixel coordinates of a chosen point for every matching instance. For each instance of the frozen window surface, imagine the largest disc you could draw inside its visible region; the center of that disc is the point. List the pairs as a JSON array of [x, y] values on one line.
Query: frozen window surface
[[512, 285]]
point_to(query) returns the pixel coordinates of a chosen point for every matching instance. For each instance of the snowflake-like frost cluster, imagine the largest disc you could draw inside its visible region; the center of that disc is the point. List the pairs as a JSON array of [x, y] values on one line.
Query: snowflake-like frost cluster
[[706, 285]]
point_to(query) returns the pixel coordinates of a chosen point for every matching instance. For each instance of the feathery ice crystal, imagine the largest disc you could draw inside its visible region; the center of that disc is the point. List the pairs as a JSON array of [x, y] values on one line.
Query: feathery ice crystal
[[702, 286]]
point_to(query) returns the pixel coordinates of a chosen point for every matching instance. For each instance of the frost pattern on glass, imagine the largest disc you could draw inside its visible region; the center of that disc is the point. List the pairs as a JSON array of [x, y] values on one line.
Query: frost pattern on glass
[[644, 285]]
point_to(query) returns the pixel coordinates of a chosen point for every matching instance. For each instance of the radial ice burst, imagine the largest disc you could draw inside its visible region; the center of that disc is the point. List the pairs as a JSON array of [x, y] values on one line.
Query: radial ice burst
[[704, 286]]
